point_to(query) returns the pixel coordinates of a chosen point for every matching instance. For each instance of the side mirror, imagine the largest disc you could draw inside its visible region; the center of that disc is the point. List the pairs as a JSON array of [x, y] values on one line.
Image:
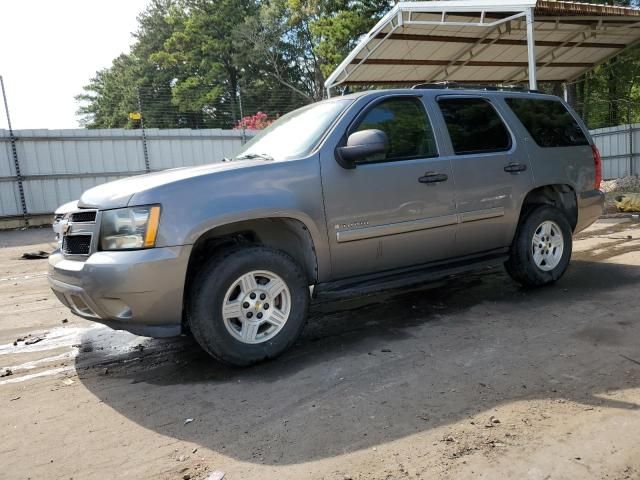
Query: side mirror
[[361, 145]]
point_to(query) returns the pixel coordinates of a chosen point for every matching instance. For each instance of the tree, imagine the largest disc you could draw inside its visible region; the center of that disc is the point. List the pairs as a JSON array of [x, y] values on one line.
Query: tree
[[205, 52], [194, 61], [110, 95], [608, 95], [156, 26], [302, 41], [113, 93]]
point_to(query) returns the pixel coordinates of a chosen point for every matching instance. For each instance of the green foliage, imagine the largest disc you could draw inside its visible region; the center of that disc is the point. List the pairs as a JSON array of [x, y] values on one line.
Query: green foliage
[[610, 94], [110, 95], [193, 59], [338, 32], [208, 63]]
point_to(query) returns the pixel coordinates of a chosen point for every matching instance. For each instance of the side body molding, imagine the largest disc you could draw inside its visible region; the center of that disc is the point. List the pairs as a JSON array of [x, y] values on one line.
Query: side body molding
[[353, 234]]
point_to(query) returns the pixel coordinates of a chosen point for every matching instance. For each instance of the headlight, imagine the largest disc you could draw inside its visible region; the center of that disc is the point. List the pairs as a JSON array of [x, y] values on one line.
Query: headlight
[[129, 228]]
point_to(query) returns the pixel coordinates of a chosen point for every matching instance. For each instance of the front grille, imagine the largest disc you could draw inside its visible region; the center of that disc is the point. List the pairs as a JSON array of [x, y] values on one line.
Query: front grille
[[76, 244], [83, 217]]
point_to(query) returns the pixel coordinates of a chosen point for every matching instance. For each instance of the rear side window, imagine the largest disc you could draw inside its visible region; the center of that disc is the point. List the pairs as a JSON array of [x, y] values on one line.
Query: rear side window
[[548, 122], [407, 126], [474, 126]]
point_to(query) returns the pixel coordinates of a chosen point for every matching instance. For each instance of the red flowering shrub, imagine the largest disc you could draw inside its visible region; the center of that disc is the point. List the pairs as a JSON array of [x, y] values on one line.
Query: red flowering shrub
[[259, 121]]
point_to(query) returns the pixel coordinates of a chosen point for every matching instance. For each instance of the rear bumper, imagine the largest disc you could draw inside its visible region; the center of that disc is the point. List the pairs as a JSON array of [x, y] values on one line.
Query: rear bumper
[[138, 291], [590, 208]]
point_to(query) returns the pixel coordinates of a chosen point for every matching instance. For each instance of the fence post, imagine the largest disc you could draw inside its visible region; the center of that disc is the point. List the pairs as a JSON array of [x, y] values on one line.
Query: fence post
[[145, 151], [14, 152], [244, 131], [630, 138]]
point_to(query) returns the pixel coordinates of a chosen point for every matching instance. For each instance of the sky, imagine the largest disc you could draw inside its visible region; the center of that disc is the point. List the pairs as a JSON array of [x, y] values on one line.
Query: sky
[[50, 49]]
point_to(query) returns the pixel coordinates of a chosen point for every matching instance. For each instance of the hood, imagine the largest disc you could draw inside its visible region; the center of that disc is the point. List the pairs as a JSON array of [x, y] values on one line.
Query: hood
[[117, 194], [67, 207]]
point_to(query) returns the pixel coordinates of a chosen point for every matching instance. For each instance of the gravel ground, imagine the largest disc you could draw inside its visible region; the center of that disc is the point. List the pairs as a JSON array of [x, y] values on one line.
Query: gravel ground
[[471, 378], [626, 184]]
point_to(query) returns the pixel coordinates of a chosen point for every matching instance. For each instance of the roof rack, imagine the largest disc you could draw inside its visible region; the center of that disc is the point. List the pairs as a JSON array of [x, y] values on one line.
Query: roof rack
[[453, 85]]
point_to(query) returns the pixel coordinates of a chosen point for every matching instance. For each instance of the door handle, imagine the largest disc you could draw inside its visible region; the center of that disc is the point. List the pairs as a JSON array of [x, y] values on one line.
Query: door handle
[[432, 177], [515, 168]]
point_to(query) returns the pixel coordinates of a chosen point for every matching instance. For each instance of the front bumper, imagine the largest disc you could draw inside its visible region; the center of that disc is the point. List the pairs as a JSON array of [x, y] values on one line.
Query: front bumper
[[139, 291], [590, 208]]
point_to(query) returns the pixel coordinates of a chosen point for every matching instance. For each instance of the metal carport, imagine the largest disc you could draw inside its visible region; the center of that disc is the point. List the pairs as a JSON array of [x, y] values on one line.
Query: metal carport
[[488, 42]]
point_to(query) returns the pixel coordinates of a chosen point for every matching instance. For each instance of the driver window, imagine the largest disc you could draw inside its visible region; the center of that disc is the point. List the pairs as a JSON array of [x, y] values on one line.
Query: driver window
[[407, 126]]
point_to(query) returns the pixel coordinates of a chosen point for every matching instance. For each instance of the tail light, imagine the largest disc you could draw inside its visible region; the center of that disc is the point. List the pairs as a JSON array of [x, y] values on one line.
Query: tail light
[[597, 162]]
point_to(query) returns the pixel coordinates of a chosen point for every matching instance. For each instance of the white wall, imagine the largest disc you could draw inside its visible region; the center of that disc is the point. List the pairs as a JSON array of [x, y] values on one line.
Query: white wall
[[615, 145], [58, 165]]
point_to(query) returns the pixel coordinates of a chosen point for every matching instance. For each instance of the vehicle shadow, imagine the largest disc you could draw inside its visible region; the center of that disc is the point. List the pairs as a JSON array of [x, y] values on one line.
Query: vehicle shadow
[[371, 370]]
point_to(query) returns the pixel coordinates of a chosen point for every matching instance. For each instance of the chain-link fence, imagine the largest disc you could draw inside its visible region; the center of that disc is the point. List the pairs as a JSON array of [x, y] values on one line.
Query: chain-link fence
[[166, 108]]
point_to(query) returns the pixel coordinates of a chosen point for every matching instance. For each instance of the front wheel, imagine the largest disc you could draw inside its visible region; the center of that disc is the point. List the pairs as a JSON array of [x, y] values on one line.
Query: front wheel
[[541, 250], [248, 305]]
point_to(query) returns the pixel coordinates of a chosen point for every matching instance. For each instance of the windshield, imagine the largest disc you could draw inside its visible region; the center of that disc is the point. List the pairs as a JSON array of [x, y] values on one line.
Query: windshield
[[296, 133]]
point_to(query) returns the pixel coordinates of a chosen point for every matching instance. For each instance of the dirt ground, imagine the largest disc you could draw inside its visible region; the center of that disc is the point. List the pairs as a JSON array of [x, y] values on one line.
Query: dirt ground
[[472, 378]]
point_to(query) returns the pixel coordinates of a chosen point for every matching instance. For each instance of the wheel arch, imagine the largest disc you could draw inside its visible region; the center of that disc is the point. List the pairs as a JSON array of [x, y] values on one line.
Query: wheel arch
[[561, 196], [282, 233]]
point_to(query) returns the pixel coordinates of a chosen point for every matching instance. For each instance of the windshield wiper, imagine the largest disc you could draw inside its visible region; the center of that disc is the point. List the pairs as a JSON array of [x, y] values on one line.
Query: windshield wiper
[[253, 156]]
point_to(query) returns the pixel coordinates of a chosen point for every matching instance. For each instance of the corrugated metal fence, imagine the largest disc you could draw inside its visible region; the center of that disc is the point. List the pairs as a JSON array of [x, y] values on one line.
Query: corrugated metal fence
[[58, 165], [620, 150]]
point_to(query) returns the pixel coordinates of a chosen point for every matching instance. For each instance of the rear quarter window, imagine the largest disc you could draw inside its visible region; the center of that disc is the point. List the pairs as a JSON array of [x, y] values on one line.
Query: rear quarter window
[[548, 122]]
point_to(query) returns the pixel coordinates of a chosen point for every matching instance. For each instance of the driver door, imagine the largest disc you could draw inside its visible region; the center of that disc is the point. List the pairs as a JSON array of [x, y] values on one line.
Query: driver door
[[395, 209]]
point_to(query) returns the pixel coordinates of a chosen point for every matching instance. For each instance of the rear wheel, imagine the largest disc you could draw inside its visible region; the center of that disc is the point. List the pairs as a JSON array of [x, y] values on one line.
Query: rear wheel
[[541, 250], [248, 305]]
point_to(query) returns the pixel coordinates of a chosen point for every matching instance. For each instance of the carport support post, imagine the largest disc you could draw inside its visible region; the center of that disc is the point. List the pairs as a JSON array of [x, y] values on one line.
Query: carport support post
[[531, 49]]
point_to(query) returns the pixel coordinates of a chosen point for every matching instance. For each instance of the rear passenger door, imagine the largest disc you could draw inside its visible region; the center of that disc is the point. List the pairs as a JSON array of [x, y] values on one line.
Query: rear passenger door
[[491, 171]]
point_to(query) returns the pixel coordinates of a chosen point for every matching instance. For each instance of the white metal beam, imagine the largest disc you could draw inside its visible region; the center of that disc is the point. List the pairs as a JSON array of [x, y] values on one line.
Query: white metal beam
[[332, 81], [481, 23], [450, 6], [531, 49]]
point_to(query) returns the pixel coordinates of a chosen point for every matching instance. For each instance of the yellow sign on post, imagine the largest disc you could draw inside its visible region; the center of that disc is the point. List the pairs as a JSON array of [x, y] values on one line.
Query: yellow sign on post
[[135, 116]]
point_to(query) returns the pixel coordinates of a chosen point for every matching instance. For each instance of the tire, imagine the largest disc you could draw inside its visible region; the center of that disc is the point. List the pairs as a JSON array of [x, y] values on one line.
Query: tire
[[248, 277], [528, 264]]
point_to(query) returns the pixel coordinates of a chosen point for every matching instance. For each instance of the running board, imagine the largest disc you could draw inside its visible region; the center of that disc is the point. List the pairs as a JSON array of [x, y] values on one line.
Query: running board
[[373, 283]]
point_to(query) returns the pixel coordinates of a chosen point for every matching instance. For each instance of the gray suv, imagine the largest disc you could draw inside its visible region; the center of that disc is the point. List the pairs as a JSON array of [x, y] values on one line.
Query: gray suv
[[350, 195]]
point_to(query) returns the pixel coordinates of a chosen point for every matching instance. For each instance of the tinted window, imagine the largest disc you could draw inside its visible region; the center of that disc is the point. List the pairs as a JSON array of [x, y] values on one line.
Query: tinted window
[[407, 126], [548, 122], [474, 126]]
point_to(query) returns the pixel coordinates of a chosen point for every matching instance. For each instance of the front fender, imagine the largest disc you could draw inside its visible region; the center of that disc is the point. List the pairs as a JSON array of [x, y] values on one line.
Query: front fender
[[281, 189]]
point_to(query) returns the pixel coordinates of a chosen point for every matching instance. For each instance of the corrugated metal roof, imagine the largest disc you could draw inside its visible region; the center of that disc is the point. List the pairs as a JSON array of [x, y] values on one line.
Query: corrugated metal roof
[[486, 41], [551, 7]]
